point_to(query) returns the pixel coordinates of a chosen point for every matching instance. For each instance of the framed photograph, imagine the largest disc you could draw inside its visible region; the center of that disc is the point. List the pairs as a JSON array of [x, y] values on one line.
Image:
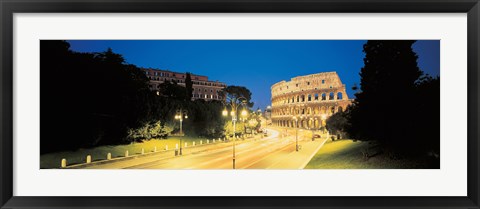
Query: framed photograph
[[239, 104]]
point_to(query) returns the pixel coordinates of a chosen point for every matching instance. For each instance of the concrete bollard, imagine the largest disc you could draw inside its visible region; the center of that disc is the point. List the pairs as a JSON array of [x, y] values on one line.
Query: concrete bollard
[[185, 144], [89, 159], [64, 163], [126, 153], [109, 156], [176, 146], [201, 142], [219, 139], [213, 140], [166, 147], [208, 141], [193, 144], [155, 149], [143, 151]]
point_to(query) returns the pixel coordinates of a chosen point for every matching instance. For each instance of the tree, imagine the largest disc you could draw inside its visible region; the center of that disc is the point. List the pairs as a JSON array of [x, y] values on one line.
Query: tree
[[110, 58], [237, 92], [383, 108], [189, 87], [93, 99], [173, 90], [90, 98], [337, 123], [427, 112]]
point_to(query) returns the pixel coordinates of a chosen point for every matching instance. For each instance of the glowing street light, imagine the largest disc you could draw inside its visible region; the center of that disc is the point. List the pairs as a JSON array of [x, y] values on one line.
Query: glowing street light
[[180, 115], [234, 103], [244, 113]]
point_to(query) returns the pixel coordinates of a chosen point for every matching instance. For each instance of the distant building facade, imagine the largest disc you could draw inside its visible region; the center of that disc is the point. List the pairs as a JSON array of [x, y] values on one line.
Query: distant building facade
[[268, 113], [202, 87], [307, 101]]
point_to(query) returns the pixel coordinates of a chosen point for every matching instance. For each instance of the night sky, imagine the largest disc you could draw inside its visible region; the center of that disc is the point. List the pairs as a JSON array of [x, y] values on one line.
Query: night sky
[[255, 64]]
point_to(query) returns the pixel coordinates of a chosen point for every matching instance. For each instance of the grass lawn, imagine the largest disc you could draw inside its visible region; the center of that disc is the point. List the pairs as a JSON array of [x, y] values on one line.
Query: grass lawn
[[347, 154], [53, 160]]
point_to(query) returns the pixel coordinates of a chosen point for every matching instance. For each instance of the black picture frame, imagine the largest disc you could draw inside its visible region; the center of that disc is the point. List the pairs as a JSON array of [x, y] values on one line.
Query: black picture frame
[[10, 7]]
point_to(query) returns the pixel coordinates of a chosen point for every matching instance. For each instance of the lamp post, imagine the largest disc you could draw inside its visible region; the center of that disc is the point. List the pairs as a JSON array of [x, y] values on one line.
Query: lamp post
[[180, 115], [234, 103], [296, 132], [324, 117], [243, 119], [311, 122]]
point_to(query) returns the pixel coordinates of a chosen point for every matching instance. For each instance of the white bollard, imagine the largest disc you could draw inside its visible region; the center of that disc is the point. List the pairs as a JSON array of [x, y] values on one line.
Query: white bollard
[[219, 139], [213, 140], [166, 147], [143, 151], [126, 153], [89, 159], [64, 163], [176, 146], [193, 144], [185, 144], [109, 156], [201, 142], [155, 149], [208, 141]]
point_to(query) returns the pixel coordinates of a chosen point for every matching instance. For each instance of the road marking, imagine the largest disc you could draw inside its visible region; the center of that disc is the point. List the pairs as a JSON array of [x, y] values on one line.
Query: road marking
[[248, 149]]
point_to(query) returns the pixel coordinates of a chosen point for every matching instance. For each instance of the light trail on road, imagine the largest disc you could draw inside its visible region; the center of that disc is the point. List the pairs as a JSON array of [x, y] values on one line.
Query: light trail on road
[[271, 152], [221, 158]]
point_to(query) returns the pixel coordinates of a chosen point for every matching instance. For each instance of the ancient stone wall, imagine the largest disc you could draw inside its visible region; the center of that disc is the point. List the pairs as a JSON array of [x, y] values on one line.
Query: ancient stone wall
[[307, 101]]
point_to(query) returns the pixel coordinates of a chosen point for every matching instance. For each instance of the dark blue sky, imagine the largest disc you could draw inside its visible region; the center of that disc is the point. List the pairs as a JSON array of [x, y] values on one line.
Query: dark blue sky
[[255, 64]]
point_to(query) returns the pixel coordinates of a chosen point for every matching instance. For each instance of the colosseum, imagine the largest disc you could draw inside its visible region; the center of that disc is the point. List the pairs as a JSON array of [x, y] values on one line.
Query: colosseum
[[307, 101]]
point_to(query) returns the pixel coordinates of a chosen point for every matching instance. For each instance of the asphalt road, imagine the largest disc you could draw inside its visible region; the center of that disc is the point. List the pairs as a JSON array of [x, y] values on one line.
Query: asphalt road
[[272, 152]]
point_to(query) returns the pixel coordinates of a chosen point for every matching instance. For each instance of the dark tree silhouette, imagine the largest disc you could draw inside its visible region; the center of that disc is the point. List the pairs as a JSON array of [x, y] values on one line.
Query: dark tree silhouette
[[386, 107], [88, 99], [189, 86], [337, 123], [427, 120], [238, 91], [92, 99], [173, 90]]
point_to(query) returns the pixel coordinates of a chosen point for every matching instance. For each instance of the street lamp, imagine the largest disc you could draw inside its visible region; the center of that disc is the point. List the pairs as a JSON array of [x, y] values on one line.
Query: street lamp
[[324, 117], [244, 118], [234, 103], [180, 115], [253, 124], [296, 132]]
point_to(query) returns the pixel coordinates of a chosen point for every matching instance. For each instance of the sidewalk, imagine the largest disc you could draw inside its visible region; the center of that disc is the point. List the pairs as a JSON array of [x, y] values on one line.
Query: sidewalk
[[291, 159]]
